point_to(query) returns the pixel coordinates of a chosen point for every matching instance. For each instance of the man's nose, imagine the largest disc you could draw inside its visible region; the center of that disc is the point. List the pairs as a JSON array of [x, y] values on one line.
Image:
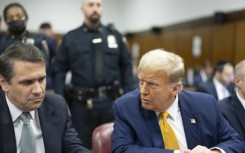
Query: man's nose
[[144, 88], [37, 88]]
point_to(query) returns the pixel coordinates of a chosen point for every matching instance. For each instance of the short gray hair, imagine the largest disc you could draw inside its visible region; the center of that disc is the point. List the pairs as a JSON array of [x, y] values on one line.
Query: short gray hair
[[240, 69], [161, 60]]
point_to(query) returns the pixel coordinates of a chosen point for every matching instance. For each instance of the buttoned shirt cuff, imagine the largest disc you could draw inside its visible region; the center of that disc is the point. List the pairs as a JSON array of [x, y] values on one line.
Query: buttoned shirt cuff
[[222, 151]]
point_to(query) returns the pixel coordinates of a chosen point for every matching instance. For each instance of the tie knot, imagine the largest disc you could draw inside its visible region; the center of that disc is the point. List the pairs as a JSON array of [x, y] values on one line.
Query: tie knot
[[164, 115], [25, 117]]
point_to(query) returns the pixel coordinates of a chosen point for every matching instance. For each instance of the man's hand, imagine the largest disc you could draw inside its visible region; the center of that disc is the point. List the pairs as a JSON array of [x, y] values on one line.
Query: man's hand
[[200, 149]]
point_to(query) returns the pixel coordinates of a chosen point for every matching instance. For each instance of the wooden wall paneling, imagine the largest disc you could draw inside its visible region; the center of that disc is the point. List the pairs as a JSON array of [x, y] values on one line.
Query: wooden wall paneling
[[130, 41], [137, 38], [223, 42], [154, 41], [184, 46], [239, 41], [149, 42], [205, 33], [168, 40], [145, 44]]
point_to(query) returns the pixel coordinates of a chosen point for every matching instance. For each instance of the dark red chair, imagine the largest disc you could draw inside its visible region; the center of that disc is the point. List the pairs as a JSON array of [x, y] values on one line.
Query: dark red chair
[[101, 139]]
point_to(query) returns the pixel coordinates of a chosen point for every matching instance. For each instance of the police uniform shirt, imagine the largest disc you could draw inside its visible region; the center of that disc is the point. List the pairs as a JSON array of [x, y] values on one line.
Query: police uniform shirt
[[76, 53]]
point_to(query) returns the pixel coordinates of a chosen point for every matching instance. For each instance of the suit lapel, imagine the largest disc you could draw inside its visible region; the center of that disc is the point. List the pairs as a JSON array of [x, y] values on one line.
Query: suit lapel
[[239, 110], [213, 90], [8, 134], [154, 129], [49, 123], [190, 123]]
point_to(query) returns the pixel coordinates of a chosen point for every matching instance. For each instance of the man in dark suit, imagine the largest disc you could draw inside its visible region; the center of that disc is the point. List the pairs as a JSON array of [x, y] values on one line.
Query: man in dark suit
[[220, 85], [203, 75], [233, 107], [161, 118], [46, 121]]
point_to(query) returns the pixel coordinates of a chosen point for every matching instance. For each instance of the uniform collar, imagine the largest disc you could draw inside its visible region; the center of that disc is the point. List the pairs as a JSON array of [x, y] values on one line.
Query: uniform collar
[[85, 28]]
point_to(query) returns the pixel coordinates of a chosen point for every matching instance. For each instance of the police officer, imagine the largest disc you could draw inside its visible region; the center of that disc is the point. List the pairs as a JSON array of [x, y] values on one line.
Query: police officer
[[100, 64], [15, 17]]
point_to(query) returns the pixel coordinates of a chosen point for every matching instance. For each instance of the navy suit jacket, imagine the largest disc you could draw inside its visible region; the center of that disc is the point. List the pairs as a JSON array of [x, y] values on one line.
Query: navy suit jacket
[[137, 130], [234, 112], [58, 132], [209, 88], [197, 80]]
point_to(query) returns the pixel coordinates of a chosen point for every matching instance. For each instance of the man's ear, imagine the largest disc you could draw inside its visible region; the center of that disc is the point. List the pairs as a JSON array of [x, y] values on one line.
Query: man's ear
[[176, 89], [3, 83], [237, 80]]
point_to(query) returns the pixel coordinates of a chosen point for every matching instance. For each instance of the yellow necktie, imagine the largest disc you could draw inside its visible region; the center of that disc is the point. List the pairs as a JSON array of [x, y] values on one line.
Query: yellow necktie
[[169, 138]]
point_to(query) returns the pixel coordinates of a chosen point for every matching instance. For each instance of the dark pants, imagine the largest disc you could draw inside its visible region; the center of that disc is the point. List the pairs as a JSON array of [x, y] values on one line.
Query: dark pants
[[86, 120]]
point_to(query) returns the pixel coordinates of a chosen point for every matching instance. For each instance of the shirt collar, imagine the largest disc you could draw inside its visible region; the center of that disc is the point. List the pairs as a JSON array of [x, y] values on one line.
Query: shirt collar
[[173, 109], [203, 76], [240, 99], [15, 112], [218, 85]]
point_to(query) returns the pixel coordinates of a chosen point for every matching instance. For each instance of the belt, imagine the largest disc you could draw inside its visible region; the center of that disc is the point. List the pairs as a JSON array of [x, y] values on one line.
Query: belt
[[86, 93]]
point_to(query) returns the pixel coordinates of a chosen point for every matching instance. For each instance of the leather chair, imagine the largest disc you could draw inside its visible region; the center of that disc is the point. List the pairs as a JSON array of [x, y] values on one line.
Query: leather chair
[[101, 139]]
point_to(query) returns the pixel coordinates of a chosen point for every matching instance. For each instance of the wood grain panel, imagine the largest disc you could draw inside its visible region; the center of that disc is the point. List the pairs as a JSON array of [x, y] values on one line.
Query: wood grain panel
[[223, 42], [183, 45], [206, 50], [239, 42]]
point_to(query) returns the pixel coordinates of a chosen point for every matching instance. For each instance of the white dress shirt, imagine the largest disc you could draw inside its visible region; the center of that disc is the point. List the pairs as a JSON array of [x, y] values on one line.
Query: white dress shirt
[[203, 76], [175, 121], [18, 124], [221, 90]]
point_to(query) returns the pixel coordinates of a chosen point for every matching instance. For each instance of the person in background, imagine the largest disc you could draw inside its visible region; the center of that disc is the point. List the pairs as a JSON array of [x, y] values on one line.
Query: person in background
[[221, 83], [233, 107], [16, 19], [159, 117], [46, 29], [101, 70], [204, 74], [32, 121], [1, 33]]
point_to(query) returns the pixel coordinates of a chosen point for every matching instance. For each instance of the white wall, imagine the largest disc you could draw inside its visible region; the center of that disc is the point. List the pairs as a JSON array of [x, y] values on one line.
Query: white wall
[[64, 15], [127, 15], [142, 14]]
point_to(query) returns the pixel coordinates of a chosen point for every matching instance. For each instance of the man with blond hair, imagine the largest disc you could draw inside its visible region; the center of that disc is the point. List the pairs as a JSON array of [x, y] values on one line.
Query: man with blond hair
[[233, 107], [159, 117]]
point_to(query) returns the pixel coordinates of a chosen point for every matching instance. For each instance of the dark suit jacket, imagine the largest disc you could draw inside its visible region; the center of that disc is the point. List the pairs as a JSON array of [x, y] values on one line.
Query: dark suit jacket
[[58, 132], [197, 80], [137, 130], [209, 88], [234, 112]]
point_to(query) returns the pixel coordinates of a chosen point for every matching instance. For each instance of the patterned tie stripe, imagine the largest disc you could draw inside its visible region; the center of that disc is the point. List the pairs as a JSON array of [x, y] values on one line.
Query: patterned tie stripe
[[27, 140]]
